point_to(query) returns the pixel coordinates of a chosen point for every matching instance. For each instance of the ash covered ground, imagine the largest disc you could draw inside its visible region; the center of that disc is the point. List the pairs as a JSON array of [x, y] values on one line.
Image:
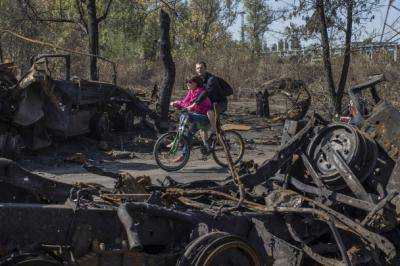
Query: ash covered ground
[[132, 152]]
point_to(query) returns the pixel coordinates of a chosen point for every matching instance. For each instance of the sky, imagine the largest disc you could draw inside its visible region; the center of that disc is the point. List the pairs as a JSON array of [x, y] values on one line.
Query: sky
[[374, 26]]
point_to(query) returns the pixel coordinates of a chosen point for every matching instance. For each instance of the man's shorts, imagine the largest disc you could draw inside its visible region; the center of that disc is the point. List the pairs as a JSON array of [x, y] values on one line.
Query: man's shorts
[[222, 106]]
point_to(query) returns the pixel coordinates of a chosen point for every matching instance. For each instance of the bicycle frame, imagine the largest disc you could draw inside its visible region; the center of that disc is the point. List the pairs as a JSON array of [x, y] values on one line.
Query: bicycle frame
[[183, 121], [182, 130]]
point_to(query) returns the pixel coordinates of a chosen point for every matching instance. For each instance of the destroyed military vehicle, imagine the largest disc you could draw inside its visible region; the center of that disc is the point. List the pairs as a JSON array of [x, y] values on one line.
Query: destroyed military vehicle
[[329, 196], [38, 109]]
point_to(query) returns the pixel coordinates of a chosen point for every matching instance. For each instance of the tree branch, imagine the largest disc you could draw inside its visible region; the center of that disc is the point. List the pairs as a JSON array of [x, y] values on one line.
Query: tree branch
[[36, 17], [81, 12], [106, 11]]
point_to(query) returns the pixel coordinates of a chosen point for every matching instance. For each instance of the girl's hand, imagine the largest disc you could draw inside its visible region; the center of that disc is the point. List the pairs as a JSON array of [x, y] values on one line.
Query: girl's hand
[[172, 103], [190, 107]]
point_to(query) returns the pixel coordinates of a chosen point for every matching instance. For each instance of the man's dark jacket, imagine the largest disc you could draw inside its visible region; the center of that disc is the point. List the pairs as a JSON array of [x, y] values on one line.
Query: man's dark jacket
[[212, 89]]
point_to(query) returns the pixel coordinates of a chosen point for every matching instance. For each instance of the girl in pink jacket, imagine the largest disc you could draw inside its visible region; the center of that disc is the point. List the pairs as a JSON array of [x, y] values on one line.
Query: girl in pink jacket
[[194, 90], [197, 112]]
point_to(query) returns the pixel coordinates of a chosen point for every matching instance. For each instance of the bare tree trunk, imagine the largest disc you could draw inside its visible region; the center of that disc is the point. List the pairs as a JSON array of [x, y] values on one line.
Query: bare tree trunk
[[326, 50], [262, 104], [1, 51], [346, 56], [169, 66], [336, 94], [93, 31]]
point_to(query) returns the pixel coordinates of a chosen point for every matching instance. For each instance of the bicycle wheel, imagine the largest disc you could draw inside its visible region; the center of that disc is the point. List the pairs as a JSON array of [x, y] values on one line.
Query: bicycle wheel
[[235, 145], [168, 148]]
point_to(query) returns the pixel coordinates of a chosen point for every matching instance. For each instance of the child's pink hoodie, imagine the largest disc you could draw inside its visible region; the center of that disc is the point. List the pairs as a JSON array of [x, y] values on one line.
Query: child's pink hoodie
[[190, 97]]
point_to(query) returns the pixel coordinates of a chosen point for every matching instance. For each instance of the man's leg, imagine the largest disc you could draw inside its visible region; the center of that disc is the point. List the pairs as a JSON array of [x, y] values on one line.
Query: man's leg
[[211, 117], [204, 138]]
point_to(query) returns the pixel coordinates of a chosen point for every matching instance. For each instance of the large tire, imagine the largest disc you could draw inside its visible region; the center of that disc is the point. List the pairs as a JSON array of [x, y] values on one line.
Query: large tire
[[219, 248], [161, 146], [235, 145]]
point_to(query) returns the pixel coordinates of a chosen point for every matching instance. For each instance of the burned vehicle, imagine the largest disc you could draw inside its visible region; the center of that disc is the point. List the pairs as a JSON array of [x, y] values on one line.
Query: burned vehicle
[[38, 109], [328, 196], [291, 98]]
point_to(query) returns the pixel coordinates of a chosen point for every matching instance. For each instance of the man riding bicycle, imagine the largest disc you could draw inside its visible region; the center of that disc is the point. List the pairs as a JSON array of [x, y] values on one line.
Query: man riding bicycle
[[214, 90], [196, 107]]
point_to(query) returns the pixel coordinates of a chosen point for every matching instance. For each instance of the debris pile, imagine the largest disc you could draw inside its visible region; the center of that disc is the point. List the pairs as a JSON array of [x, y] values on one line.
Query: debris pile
[[38, 109], [291, 95], [330, 195]]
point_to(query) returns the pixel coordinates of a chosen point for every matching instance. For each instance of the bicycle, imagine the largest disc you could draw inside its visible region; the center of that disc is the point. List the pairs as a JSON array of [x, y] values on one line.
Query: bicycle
[[172, 144]]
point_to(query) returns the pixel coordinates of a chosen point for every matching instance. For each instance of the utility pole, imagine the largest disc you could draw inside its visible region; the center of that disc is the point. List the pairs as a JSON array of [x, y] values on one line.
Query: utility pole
[[241, 13]]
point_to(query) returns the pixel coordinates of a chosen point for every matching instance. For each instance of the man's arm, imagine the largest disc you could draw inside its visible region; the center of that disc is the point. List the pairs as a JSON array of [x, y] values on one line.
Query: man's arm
[[210, 87], [201, 98]]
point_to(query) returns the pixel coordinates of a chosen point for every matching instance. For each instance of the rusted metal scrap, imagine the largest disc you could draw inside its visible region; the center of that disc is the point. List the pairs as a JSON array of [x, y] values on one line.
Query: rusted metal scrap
[[295, 92], [328, 196], [19, 185]]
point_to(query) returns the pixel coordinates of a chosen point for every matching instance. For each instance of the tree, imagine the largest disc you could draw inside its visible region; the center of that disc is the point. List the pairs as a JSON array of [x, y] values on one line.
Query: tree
[[293, 34], [203, 24], [91, 22], [332, 23], [258, 17], [88, 20], [336, 93], [169, 66]]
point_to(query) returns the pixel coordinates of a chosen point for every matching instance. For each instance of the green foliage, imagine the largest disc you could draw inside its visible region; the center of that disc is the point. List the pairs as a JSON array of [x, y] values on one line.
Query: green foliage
[[259, 16]]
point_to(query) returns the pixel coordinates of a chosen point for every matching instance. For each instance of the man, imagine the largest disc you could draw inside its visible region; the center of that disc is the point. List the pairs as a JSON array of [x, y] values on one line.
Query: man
[[213, 91]]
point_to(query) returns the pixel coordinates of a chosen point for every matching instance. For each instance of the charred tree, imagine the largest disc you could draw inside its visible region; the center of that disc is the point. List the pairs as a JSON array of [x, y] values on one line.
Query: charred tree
[[88, 21], [347, 54], [262, 102], [169, 66], [336, 93], [93, 32], [1, 53], [91, 22]]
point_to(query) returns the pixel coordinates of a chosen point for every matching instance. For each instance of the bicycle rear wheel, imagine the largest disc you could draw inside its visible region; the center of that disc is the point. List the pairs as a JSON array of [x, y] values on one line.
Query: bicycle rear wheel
[[235, 145], [168, 149]]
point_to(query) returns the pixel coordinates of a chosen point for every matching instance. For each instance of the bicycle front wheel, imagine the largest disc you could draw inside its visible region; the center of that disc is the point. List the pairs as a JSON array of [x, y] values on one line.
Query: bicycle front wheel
[[235, 145], [171, 151]]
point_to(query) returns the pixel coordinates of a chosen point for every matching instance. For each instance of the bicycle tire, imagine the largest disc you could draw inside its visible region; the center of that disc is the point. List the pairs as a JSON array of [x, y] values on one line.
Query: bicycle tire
[[158, 146], [240, 155]]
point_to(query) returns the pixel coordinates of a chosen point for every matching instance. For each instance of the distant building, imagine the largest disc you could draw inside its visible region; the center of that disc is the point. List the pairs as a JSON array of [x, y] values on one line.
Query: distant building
[[372, 49], [375, 49]]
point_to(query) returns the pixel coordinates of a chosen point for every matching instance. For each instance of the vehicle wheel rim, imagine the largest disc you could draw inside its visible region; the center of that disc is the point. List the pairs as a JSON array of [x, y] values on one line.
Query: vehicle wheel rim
[[236, 246]]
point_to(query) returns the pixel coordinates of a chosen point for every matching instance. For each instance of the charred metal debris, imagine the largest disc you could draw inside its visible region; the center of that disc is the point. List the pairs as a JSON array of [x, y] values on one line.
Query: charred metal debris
[[330, 196], [38, 109]]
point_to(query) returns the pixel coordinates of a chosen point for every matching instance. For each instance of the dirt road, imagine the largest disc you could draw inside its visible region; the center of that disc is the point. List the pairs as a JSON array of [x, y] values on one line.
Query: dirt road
[[129, 153]]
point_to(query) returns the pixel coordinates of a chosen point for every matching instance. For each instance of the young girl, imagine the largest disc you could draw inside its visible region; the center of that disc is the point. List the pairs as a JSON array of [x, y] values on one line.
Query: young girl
[[197, 112]]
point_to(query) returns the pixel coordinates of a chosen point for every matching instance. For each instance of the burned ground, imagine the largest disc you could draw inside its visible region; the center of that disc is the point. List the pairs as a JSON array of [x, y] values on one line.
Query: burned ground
[[328, 195]]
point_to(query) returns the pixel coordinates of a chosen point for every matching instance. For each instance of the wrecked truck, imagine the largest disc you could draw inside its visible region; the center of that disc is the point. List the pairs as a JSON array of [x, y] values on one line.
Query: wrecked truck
[[329, 196], [38, 108]]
